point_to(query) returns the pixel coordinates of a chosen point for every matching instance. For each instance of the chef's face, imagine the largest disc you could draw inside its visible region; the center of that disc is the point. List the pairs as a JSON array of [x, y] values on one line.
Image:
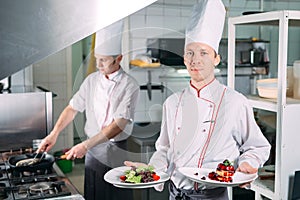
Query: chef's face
[[200, 61], [108, 64]]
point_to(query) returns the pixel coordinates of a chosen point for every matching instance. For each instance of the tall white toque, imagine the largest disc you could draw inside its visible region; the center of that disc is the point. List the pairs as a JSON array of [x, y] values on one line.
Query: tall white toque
[[206, 23], [108, 40]]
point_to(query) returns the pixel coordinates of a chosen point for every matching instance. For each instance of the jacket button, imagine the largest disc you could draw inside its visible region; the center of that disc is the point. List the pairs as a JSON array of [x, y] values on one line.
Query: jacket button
[[204, 130]]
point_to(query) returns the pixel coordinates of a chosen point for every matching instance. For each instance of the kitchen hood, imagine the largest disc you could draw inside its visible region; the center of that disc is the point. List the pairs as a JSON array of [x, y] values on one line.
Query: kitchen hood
[[32, 30]]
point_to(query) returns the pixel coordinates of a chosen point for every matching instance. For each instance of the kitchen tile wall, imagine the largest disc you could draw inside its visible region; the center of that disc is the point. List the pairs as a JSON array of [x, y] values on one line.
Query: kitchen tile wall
[[53, 73]]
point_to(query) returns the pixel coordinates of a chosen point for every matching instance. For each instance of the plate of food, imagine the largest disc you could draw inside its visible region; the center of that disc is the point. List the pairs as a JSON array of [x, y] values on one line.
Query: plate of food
[[135, 178], [224, 176]]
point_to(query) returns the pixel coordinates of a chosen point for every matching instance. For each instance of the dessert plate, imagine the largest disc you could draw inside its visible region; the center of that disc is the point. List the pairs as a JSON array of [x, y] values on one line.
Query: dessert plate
[[113, 177], [200, 175]]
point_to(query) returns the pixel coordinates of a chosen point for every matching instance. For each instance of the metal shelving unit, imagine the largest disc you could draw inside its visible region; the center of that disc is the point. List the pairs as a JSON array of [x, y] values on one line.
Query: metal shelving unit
[[287, 110]]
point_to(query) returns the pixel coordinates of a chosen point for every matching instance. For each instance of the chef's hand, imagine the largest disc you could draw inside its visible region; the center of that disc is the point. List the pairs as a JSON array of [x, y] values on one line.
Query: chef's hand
[[78, 151], [247, 169], [134, 164], [47, 143]]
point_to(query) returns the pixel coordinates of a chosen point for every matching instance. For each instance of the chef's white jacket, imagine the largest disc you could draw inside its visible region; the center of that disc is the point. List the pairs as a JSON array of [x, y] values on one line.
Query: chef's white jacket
[[201, 129], [105, 99]]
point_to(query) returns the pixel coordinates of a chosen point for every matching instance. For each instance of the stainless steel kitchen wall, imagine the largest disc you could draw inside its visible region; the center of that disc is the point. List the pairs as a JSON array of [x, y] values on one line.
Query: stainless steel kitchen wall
[[31, 30]]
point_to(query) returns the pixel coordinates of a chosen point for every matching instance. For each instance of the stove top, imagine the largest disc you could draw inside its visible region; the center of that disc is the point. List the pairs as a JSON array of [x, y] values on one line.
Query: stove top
[[38, 184]]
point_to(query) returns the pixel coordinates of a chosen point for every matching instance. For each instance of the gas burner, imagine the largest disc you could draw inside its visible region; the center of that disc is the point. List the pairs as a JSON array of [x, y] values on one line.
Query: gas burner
[[43, 182], [4, 192], [34, 179], [20, 173], [41, 190]]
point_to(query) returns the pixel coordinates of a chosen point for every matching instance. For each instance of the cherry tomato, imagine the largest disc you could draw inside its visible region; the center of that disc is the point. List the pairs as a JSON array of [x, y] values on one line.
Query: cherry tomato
[[123, 178], [155, 177]]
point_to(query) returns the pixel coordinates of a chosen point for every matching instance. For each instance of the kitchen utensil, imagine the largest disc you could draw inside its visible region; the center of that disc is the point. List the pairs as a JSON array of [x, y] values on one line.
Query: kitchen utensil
[[46, 162], [256, 56], [30, 161], [61, 157], [65, 165]]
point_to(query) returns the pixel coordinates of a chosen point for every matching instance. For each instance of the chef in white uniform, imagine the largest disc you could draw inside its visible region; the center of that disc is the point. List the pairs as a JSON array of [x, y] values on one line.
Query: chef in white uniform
[[207, 122], [108, 97]]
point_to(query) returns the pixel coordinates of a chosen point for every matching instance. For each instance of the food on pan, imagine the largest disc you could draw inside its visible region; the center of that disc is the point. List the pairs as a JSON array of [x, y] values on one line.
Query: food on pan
[[27, 162], [224, 172], [139, 175]]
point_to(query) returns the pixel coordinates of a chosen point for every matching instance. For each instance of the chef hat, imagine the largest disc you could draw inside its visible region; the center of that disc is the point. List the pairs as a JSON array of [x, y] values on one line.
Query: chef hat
[[206, 23], [109, 40]]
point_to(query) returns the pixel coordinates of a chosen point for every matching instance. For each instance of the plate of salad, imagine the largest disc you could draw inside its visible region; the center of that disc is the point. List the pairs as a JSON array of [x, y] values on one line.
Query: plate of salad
[[135, 178]]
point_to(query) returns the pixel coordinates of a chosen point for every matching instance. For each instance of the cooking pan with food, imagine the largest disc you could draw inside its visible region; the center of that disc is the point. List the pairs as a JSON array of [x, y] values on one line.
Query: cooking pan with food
[[45, 162]]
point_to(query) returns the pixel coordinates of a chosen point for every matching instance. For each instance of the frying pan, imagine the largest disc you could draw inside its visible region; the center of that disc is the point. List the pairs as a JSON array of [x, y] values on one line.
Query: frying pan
[[45, 163]]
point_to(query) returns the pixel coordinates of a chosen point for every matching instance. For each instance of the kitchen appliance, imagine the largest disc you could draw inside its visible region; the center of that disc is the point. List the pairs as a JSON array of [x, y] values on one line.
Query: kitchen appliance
[[253, 56], [168, 50], [26, 115], [38, 183]]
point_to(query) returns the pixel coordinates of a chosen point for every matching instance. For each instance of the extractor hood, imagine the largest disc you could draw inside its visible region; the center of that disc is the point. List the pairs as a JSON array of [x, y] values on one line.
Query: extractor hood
[[31, 30]]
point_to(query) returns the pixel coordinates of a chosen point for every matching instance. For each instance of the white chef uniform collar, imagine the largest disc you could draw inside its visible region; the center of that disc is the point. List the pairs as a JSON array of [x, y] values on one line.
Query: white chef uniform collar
[[207, 91], [113, 76], [206, 23], [108, 40]]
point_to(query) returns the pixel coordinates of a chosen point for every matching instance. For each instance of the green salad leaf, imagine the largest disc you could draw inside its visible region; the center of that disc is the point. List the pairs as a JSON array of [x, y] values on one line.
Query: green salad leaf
[[136, 175]]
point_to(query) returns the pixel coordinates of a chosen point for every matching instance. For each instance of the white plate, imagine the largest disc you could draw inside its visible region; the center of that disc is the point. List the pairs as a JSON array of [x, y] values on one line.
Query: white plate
[[113, 177], [237, 179]]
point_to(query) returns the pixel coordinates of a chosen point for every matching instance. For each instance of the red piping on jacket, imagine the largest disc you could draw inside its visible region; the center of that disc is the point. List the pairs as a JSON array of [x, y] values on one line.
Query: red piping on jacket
[[198, 90], [212, 126]]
